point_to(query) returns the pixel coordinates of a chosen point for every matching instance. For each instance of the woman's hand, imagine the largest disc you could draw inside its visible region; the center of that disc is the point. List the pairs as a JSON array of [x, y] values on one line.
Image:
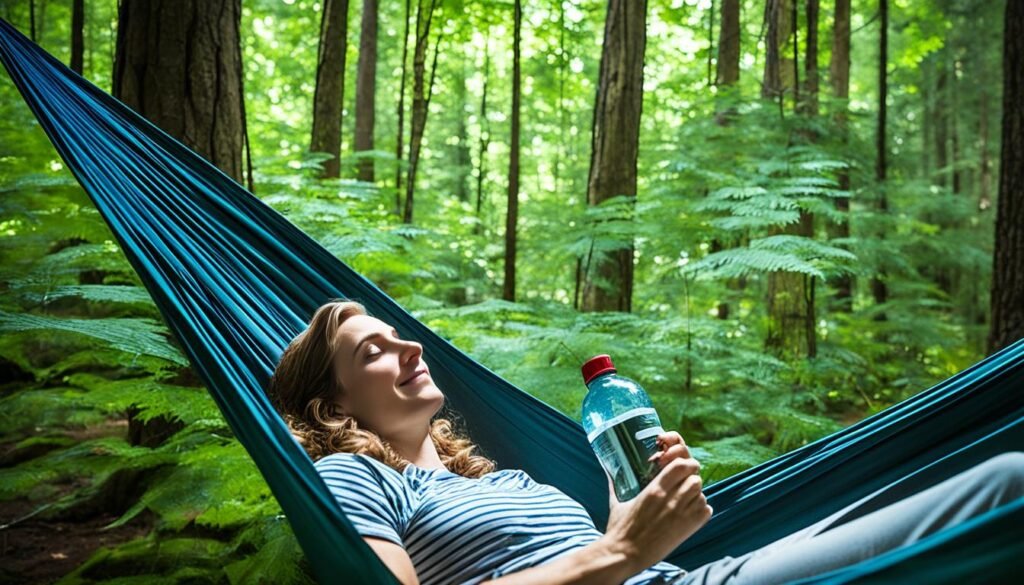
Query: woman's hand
[[666, 512], [672, 447]]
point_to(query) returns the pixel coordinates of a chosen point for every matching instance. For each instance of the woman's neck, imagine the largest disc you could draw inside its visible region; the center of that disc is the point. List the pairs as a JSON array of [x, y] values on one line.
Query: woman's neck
[[420, 451]]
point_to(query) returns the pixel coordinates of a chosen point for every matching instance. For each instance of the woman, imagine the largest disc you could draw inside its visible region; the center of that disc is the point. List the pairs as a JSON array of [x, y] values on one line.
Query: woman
[[362, 403]]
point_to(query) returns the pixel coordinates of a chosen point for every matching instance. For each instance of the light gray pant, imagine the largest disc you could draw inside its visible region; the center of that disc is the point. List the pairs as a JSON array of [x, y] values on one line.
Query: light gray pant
[[833, 543]]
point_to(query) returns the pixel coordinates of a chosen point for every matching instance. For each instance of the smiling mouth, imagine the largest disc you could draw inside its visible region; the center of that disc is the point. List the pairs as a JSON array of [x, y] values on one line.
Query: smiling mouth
[[414, 377]]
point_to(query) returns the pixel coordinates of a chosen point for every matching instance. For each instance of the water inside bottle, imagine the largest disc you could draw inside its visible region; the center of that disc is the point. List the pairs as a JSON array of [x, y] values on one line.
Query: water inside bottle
[[623, 444]]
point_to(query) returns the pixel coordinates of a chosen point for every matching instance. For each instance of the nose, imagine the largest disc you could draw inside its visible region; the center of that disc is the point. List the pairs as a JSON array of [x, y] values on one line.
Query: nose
[[412, 350]]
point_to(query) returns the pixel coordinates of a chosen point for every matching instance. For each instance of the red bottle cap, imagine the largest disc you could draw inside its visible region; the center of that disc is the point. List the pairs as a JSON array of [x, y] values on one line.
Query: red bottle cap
[[597, 365]]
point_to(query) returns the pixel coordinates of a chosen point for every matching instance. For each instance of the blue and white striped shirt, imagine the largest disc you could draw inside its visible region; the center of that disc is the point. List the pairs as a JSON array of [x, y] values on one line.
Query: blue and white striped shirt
[[462, 530]]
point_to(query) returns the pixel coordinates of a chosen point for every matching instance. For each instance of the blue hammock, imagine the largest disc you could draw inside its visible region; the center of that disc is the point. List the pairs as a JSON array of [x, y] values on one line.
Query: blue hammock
[[235, 281]]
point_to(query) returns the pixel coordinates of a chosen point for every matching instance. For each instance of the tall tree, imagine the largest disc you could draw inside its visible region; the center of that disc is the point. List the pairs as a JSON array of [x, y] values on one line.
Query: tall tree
[[728, 72], [878, 286], [778, 69], [179, 64], [512, 212], [809, 102], [328, 96], [462, 167], [1007, 301], [615, 144], [77, 29], [366, 87], [401, 111], [421, 92], [485, 137], [790, 295], [839, 75], [727, 77]]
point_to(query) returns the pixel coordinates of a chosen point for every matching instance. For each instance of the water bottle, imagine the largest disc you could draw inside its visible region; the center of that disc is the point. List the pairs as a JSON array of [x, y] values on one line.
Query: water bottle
[[621, 425]]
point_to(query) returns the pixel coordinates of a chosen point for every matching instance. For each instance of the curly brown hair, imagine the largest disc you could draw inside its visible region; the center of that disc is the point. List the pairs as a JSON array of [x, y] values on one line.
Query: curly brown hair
[[303, 390]]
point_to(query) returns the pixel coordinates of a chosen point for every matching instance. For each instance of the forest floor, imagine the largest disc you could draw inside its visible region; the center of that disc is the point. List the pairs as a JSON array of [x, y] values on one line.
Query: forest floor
[[36, 549], [43, 551]]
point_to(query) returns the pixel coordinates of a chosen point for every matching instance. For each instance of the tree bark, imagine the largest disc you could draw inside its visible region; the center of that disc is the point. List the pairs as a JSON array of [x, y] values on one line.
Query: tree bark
[[329, 94], [77, 40], [728, 73], [809, 103], [940, 115], [615, 144], [727, 77], [778, 69], [400, 113], [711, 41], [463, 166], [790, 308], [878, 286], [366, 88], [485, 138], [178, 63], [1007, 301], [839, 75], [420, 99], [512, 213]]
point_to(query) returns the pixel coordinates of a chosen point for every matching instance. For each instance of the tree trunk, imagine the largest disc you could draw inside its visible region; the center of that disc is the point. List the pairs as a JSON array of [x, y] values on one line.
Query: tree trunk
[[778, 69], [366, 88], [809, 103], [728, 73], [711, 41], [954, 137], [985, 162], [178, 63], [615, 144], [839, 75], [401, 113], [790, 309], [77, 41], [461, 151], [329, 94], [727, 77], [878, 286], [485, 139], [512, 214], [420, 99], [940, 115], [1007, 301]]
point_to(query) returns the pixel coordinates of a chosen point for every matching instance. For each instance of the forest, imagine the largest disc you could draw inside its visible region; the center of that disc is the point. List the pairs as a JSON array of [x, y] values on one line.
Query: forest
[[779, 216]]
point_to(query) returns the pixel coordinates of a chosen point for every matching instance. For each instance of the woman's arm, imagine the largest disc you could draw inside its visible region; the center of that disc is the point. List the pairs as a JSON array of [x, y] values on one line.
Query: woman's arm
[[599, 563]]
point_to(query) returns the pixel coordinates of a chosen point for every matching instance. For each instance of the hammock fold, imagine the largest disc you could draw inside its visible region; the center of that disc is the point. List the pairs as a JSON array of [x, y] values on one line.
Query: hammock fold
[[235, 282]]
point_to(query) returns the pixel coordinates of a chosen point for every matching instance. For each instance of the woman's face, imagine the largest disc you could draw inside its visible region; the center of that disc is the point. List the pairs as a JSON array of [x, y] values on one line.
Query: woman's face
[[387, 387]]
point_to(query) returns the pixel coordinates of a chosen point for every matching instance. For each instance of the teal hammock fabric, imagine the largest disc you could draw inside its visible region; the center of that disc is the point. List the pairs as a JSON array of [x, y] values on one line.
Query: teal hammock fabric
[[235, 281]]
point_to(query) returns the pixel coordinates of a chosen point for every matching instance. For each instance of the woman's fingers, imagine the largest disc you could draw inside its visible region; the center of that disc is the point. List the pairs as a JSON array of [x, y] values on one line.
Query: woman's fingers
[[672, 453], [671, 438]]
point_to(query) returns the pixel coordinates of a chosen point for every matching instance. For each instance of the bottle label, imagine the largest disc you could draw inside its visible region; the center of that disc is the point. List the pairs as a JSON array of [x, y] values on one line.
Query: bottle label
[[640, 435], [623, 444]]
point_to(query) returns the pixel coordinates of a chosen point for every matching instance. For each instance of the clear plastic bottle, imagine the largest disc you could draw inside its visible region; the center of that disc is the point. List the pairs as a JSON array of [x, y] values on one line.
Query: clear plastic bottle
[[621, 425]]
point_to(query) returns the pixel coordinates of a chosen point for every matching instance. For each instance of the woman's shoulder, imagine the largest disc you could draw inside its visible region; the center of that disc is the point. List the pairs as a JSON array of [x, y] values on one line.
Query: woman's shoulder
[[354, 462]]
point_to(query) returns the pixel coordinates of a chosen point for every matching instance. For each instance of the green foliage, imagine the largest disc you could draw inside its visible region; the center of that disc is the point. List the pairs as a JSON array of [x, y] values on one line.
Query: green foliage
[[722, 176]]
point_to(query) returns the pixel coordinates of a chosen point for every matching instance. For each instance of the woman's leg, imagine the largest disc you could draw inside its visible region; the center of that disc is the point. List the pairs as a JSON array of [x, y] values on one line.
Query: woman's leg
[[831, 543]]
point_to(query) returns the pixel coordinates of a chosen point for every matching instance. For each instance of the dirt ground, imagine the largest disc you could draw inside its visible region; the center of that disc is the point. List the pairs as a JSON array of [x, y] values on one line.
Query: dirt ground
[[43, 551]]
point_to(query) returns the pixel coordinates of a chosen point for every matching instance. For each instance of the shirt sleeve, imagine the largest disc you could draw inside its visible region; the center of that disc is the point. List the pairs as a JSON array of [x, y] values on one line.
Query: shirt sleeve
[[377, 503]]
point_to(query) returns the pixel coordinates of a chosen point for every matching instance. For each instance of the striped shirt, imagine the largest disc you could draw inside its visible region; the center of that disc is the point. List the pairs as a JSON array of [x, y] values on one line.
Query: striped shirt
[[461, 530]]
